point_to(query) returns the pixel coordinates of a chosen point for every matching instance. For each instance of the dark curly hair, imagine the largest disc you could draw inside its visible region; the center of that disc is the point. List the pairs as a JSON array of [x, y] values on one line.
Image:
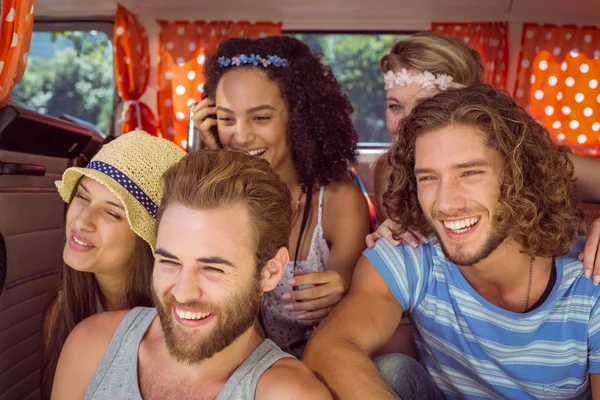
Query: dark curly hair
[[537, 208], [320, 131]]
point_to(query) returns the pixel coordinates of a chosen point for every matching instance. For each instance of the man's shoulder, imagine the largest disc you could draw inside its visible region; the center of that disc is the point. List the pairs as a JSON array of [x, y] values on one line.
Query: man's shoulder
[[390, 255], [571, 269], [290, 379]]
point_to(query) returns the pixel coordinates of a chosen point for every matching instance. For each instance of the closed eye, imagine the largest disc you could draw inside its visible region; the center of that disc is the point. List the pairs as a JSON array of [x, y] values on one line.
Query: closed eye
[[113, 215], [213, 269], [262, 118], [426, 178], [82, 197], [226, 120], [170, 263]]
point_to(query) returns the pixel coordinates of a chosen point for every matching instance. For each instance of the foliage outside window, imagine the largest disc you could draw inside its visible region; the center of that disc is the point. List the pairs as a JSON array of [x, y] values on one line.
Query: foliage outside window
[[354, 59], [70, 72]]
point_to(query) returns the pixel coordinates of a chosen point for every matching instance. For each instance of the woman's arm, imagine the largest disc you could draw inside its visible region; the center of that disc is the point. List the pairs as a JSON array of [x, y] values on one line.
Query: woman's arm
[[346, 222]]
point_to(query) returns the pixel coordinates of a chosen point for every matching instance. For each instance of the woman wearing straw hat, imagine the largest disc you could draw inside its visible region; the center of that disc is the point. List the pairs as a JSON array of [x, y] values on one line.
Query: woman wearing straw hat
[[110, 238]]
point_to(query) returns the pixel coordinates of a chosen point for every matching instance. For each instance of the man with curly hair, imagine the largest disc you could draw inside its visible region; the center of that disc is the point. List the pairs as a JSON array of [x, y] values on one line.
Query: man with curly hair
[[498, 299]]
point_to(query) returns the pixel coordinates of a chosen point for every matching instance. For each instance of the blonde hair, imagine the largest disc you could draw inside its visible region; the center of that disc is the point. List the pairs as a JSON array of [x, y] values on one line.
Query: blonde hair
[[438, 54], [210, 179]]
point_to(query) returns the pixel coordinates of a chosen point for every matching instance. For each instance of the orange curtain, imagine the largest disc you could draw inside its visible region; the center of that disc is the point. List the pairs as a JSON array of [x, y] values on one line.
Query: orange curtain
[[558, 83], [132, 69], [15, 37], [183, 49], [490, 40]]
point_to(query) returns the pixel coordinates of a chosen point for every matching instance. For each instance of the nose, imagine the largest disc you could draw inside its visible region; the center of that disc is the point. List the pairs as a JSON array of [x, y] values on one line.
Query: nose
[[244, 134], [187, 288], [85, 221], [450, 198]]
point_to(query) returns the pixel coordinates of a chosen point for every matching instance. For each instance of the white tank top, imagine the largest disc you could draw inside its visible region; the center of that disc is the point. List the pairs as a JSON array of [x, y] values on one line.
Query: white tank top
[[281, 325]]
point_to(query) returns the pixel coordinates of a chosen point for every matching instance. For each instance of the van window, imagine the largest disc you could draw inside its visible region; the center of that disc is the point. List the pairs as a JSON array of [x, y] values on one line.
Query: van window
[[70, 71], [354, 59]]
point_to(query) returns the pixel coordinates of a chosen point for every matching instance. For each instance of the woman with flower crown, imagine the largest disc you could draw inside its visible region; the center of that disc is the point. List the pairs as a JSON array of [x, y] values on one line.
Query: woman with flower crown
[[273, 98], [415, 69]]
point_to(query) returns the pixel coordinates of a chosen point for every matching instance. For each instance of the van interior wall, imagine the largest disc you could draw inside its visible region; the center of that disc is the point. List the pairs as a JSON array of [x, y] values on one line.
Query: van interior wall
[[515, 30]]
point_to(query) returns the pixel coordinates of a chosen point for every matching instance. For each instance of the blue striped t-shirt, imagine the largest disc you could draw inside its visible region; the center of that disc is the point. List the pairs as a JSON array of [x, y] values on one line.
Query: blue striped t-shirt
[[476, 350]]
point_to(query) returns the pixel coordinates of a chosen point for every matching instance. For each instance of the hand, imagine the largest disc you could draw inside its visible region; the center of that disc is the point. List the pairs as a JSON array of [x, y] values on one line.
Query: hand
[[386, 229], [202, 116], [317, 301], [591, 253]]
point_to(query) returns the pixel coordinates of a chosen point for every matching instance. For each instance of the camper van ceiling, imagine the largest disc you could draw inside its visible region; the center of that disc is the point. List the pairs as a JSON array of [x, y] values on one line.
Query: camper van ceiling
[[550, 11]]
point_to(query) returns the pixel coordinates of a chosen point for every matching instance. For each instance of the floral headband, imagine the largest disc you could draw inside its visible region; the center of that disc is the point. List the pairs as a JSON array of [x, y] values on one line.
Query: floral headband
[[426, 80], [254, 60]]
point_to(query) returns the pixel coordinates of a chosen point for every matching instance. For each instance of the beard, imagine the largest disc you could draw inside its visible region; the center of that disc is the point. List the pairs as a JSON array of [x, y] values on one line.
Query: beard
[[497, 234], [234, 316]]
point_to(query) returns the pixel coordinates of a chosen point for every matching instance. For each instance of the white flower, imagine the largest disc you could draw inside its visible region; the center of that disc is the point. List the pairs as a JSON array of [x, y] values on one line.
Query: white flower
[[403, 78], [443, 81], [426, 79], [389, 78]]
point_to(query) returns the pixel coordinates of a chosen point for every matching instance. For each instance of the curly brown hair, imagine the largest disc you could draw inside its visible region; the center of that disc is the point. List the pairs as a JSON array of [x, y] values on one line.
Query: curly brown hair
[[320, 131], [536, 201]]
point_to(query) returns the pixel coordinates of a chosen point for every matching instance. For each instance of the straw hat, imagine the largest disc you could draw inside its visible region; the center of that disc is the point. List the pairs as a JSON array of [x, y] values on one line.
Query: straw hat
[[131, 167]]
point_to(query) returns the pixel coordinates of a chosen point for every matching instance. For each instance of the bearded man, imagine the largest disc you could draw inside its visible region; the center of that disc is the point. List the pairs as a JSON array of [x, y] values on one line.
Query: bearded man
[[222, 236]]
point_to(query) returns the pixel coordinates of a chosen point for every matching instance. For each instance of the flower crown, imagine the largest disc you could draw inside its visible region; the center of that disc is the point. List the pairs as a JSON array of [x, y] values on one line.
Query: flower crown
[[426, 80], [254, 60]]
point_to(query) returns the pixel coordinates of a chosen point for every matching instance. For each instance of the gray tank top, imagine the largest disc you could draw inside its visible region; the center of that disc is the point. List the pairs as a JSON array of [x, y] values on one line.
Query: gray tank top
[[116, 377]]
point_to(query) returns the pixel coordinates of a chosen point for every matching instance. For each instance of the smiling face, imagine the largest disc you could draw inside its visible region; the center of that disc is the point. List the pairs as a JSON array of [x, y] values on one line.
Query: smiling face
[[252, 116], [99, 239], [458, 179], [400, 101], [206, 285]]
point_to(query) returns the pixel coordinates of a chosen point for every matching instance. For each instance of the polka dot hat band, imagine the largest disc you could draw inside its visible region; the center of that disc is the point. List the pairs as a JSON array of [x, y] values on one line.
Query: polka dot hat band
[[127, 183], [131, 167]]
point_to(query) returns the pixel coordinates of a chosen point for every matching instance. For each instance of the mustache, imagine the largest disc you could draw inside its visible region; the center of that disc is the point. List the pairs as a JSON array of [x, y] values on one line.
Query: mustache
[[194, 305], [437, 214]]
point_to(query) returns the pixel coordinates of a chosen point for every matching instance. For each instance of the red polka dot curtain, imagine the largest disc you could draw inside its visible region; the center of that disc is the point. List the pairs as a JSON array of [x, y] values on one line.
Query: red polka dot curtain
[[184, 47], [557, 81], [132, 69], [490, 40], [15, 38]]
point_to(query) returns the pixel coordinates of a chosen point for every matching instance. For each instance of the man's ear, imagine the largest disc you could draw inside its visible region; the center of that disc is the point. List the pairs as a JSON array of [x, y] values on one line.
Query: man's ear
[[273, 271]]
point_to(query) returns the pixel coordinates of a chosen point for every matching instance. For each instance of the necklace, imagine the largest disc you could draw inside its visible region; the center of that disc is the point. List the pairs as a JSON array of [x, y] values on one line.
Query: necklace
[[529, 285], [295, 208]]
